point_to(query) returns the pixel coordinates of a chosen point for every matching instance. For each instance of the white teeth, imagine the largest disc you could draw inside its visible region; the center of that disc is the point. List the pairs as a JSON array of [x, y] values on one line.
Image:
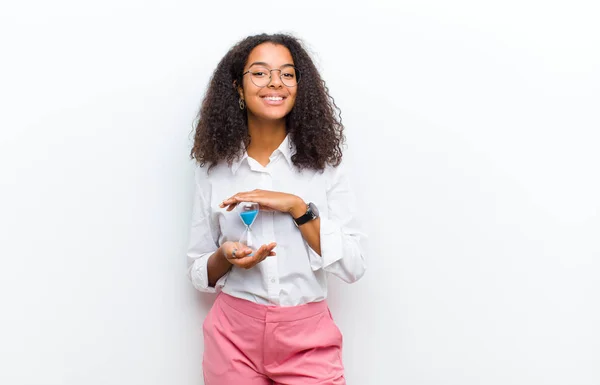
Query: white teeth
[[274, 98]]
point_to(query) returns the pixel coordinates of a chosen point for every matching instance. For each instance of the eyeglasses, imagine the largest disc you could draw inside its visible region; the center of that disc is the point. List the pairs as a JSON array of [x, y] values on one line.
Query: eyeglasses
[[261, 76]]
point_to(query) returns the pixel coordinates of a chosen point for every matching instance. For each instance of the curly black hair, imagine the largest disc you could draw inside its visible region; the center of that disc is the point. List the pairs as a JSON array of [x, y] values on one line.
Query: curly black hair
[[314, 124]]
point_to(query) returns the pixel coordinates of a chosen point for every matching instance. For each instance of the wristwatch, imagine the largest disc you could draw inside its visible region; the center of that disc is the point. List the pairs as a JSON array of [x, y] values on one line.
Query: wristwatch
[[312, 213]]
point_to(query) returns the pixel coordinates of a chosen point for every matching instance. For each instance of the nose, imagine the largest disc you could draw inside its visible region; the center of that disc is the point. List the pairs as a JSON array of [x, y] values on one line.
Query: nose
[[275, 81]]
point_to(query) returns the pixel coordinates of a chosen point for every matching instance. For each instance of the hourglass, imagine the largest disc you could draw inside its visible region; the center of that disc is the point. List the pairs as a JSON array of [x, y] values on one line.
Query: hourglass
[[248, 212]]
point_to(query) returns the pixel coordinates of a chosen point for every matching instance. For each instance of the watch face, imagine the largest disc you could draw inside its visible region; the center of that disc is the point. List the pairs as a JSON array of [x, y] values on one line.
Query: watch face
[[313, 209]]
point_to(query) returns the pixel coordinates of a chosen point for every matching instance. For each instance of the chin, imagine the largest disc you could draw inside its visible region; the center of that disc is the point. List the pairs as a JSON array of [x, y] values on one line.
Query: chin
[[272, 115]]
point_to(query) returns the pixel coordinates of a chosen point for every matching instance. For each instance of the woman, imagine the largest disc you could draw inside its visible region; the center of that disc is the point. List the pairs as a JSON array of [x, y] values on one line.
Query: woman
[[268, 133]]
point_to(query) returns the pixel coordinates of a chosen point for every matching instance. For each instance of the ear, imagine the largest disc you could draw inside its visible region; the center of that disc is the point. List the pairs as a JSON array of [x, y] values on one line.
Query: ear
[[238, 88]]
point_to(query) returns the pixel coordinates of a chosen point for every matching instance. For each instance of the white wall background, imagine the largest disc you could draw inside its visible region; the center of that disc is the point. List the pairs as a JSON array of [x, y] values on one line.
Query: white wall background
[[473, 128]]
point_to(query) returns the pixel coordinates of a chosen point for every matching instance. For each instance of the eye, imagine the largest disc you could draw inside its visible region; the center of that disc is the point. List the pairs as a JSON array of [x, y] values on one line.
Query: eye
[[259, 74], [289, 75]]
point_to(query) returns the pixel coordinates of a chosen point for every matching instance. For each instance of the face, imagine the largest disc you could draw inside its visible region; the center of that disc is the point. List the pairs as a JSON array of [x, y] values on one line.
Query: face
[[275, 100]]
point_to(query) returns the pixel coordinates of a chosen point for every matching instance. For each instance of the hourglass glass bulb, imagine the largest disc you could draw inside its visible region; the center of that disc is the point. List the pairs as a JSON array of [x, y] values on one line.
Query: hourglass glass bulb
[[248, 212]]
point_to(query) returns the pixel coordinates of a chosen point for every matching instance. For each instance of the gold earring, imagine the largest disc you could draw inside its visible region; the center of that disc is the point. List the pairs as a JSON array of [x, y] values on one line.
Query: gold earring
[[242, 104]]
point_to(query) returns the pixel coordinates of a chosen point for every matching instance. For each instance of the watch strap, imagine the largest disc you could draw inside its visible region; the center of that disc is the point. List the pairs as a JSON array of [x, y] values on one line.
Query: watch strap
[[307, 217]]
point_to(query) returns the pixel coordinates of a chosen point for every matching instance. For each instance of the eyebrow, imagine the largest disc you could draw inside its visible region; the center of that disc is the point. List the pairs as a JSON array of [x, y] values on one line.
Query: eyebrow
[[266, 65]]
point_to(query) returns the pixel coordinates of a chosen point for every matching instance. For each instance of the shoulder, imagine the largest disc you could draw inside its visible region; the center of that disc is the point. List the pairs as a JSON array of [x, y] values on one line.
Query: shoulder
[[333, 175], [336, 171]]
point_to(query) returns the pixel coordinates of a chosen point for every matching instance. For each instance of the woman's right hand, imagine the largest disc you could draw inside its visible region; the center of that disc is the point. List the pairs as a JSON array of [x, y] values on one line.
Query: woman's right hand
[[242, 256]]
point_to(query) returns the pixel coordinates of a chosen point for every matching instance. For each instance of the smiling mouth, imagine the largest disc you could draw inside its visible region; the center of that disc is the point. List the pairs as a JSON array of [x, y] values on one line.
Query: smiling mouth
[[273, 98]]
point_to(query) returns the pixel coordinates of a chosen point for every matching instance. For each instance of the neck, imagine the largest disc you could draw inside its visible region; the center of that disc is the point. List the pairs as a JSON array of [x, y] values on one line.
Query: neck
[[265, 136]]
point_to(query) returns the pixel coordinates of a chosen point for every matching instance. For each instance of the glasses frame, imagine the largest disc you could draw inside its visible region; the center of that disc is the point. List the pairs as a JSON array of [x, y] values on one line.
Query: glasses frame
[[298, 76]]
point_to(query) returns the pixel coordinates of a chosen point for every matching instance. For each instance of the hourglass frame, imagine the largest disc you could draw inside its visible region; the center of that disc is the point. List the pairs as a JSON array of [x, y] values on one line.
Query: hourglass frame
[[248, 212]]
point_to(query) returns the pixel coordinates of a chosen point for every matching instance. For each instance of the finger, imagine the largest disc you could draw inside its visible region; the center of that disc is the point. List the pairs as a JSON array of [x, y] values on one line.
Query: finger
[[246, 253], [225, 202], [238, 253], [271, 253], [255, 258], [250, 258], [260, 251], [229, 201], [242, 247], [267, 252], [231, 206], [263, 250]]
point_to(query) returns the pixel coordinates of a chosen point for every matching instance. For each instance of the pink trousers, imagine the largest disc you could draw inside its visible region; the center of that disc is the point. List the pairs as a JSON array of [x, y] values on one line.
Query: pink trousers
[[250, 344]]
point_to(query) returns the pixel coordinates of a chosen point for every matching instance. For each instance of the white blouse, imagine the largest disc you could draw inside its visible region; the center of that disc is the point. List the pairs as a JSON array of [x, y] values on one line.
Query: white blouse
[[297, 274]]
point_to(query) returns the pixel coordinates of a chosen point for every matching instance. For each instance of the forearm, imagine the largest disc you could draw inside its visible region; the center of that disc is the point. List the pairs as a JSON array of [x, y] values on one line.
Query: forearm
[[217, 266], [311, 231]]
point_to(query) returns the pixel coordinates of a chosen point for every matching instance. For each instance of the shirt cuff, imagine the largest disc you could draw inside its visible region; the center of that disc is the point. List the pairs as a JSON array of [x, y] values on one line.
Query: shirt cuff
[[331, 246], [198, 274]]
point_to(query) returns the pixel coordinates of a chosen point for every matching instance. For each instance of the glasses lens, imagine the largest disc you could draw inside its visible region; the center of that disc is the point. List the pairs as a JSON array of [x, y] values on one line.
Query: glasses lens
[[290, 76], [260, 76]]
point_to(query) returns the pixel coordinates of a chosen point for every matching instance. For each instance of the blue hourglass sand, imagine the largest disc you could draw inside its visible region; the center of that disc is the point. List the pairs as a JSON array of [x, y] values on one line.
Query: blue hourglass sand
[[248, 212], [248, 217]]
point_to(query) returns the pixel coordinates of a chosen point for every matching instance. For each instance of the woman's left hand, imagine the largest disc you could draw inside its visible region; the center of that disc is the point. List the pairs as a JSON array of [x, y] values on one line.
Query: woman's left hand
[[268, 200]]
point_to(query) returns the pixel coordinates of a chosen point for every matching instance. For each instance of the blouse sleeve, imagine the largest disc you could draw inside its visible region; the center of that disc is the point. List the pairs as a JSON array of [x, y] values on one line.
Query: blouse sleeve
[[342, 242], [204, 235]]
